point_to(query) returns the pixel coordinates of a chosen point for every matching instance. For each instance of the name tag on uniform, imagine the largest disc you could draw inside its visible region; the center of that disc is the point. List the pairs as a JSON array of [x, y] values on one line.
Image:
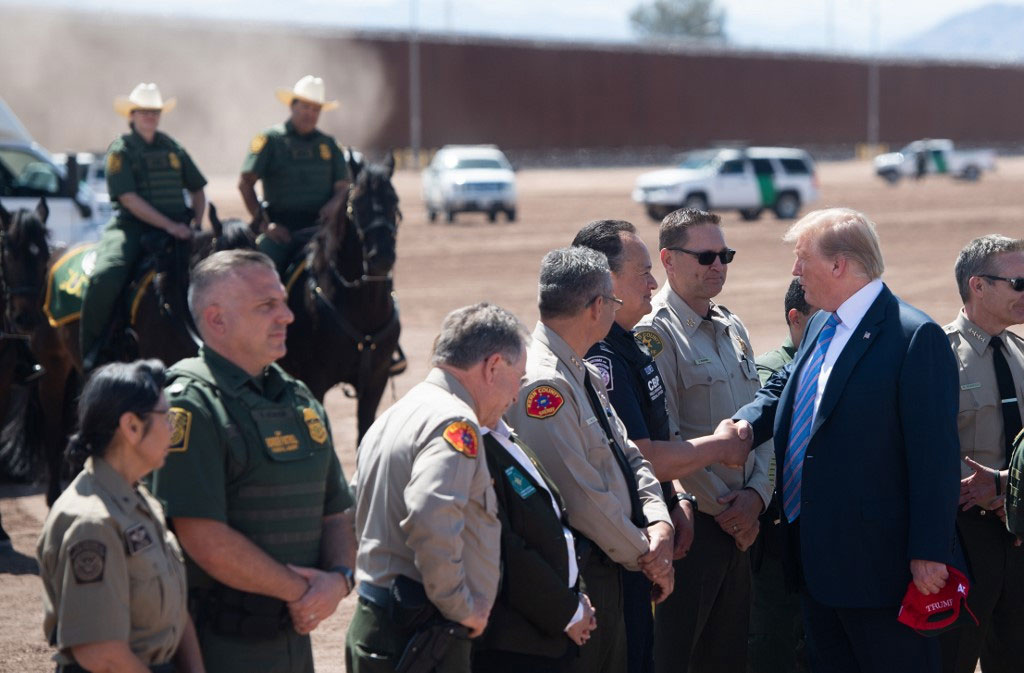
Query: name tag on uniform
[[591, 420], [702, 361], [970, 386], [520, 484]]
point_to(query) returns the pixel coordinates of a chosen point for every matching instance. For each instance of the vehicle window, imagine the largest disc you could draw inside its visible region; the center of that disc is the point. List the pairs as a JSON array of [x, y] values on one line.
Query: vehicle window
[[763, 167], [795, 166], [696, 160], [478, 162], [29, 175], [731, 167]]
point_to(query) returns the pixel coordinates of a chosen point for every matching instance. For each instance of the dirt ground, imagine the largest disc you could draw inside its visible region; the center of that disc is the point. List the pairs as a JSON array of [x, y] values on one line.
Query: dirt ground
[[440, 267]]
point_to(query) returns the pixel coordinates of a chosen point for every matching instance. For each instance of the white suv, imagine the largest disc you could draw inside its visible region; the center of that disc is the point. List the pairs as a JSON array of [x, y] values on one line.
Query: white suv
[[469, 178], [749, 180]]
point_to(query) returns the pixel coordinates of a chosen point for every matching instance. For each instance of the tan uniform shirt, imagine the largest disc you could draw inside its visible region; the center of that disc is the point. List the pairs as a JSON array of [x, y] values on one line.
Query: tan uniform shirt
[[709, 372], [425, 507], [981, 417], [576, 453], [110, 568]]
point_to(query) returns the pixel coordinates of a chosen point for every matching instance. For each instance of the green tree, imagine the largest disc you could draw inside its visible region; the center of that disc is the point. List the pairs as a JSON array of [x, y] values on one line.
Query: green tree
[[674, 19]]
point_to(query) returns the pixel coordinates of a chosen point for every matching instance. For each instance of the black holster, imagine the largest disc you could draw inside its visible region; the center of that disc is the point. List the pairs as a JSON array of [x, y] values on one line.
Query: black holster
[[229, 612], [410, 609]]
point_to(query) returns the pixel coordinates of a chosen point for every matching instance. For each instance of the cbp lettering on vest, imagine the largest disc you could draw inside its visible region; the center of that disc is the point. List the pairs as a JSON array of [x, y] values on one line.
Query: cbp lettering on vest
[[253, 486], [147, 174], [303, 171]]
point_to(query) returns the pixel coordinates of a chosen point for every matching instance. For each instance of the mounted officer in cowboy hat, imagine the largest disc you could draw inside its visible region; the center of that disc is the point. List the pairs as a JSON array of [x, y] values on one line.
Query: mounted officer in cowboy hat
[[305, 177], [147, 173]]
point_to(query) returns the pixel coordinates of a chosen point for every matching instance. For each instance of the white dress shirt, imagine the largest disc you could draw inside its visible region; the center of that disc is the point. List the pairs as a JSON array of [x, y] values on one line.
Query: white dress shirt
[[503, 433], [850, 312]]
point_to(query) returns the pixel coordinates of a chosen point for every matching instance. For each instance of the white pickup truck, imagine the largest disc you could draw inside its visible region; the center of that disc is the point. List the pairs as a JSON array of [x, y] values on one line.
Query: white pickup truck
[[922, 157], [27, 172]]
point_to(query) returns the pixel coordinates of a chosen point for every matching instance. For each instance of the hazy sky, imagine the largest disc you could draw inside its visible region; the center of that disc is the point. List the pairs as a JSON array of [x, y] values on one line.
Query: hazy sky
[[793, 24]]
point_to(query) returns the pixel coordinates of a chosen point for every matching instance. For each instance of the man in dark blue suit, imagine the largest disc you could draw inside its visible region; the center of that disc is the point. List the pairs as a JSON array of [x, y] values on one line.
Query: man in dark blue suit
[[865, 429]]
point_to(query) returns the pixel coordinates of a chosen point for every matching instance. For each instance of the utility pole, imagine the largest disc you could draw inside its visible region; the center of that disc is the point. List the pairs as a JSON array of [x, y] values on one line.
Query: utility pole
[[415, 103], [873, 78]]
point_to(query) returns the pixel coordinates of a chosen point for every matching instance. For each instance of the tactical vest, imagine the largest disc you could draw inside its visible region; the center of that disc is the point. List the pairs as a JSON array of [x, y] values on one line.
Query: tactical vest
[[278, 457], [158, 169], [300, 179]]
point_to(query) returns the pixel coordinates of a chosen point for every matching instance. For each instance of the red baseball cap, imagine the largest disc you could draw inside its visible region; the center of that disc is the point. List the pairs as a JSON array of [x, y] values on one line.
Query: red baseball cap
[[931, 615]]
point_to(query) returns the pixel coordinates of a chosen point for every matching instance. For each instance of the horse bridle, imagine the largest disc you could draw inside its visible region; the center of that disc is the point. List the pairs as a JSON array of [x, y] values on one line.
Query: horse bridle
[[8, 293], [379, 220]]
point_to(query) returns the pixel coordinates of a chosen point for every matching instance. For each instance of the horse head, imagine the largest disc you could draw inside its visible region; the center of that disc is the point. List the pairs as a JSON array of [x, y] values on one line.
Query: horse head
[[373, 212], [24, 256]]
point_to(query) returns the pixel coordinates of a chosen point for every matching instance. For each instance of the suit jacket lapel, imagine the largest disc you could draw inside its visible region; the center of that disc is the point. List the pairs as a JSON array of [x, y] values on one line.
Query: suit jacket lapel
[[861, 339], [784, 417], [508, 460]]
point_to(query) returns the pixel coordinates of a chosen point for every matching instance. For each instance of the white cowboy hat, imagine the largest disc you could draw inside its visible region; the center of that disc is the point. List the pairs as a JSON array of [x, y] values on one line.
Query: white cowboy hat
[[143, 97], [309, 89]]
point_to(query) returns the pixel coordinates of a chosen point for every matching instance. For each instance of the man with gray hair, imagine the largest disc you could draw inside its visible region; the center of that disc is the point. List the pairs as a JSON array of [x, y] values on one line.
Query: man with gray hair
[[870, 400], [426, 515], [990, 276], [252, 485], [611, 494]]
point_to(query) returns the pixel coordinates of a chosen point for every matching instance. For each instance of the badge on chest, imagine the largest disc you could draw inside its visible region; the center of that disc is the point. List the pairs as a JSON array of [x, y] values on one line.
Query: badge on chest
[[137, 538]]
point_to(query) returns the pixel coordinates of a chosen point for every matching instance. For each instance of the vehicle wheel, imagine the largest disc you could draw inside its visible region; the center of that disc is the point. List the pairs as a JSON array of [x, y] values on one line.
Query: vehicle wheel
[[431, 215], [971, 173], [750, 214], [787, 205], [449, 215], [890, 176], [696, 202], [492, 215], [511, 215]]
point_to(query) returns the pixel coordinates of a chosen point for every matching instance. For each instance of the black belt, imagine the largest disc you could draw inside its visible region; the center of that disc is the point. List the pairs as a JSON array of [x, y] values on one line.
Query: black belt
[[75, 668], [371, 593], [981, 514]]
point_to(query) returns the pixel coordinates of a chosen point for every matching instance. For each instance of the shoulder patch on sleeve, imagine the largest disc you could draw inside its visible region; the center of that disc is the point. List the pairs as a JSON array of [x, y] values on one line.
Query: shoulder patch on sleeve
[[88, 558], [543, 401], [650, 340], [181, 427], [258, 143], [603, 363], [462, 436], [114, 163]]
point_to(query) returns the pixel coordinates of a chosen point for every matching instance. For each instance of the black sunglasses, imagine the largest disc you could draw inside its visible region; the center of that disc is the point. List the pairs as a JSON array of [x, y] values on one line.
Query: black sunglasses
[[707, 257], [1016, 283]]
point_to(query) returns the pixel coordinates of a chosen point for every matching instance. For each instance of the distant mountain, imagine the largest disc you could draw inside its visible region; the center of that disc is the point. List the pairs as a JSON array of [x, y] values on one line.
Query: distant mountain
[[990, 32]]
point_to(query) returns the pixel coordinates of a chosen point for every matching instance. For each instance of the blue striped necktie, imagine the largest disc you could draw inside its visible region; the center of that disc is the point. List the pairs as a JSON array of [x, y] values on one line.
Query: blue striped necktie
[[803, 418]]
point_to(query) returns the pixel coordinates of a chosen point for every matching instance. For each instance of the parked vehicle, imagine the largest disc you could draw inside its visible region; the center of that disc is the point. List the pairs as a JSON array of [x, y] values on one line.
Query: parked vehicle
[[28, 171], [923, 157], [749, 180], [469, 178]]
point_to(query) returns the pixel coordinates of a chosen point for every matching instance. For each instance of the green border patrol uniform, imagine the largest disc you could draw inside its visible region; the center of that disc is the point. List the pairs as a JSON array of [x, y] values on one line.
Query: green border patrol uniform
[[254, 453], [110, 569], [298, 174], [158, 172]]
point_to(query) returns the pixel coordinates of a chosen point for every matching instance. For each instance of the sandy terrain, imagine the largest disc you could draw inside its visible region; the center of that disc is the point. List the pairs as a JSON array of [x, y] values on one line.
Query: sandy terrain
[[440, 267]]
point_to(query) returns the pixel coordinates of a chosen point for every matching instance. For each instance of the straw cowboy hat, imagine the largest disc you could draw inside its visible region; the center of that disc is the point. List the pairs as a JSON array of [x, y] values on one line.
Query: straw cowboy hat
[[143, 97], [309, 89]]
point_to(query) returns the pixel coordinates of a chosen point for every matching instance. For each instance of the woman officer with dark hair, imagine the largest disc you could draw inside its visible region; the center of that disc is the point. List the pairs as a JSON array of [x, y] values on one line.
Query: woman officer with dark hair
[[113, 575]]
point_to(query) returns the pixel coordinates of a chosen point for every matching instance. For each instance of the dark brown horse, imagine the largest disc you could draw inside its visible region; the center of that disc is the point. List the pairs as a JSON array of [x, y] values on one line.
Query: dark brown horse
[[161, 318], [346, 323]]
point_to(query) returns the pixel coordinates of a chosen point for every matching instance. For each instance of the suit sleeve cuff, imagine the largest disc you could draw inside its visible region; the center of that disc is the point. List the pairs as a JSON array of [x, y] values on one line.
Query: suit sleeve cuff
[[576, 617]]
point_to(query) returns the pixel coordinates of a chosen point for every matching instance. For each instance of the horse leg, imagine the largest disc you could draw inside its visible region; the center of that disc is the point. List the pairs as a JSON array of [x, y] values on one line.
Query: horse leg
[[56, 392]]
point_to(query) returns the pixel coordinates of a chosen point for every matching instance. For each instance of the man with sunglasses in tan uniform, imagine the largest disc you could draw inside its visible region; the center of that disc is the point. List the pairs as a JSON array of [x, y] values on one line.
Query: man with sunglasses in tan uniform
[[706, 360]]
